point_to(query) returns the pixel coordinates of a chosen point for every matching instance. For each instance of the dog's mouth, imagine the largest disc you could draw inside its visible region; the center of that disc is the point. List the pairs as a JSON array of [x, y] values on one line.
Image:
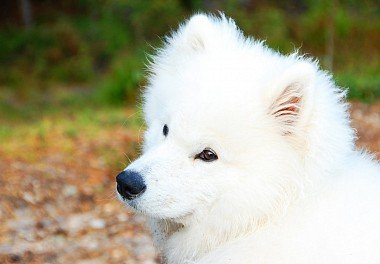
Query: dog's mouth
[[173, 227], [182, 219], [179, 220], [130, 203]]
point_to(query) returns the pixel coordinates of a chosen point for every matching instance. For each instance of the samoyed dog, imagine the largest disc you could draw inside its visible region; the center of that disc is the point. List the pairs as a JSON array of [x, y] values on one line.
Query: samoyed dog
[[249, 156]]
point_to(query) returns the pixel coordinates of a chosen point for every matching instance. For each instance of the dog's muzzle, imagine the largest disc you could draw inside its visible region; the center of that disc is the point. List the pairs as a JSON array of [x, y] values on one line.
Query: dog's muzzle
[[130, 184]]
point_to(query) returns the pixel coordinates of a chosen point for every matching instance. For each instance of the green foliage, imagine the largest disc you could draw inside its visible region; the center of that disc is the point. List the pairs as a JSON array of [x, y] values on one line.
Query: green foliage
[[123, 80], [46, 52], [364, 85], [102, 43]]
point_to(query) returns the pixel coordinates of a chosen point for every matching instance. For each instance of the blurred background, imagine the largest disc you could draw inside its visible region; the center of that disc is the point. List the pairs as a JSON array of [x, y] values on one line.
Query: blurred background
[[70, 77]]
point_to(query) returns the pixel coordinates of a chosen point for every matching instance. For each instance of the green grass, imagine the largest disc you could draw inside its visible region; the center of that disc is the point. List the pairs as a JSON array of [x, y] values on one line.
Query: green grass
[[71, 114], [67, 127]]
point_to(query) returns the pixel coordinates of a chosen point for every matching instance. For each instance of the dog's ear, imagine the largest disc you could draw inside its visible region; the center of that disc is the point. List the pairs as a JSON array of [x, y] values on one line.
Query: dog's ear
[[196, 31], [291, 97], [203, 31]]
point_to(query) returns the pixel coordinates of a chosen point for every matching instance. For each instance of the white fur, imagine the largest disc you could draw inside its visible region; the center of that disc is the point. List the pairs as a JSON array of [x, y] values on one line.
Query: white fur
[[288, 186]]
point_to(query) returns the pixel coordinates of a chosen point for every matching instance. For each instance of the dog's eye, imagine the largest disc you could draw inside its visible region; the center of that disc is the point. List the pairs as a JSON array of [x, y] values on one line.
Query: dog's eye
[[165, 130], [207, 155]]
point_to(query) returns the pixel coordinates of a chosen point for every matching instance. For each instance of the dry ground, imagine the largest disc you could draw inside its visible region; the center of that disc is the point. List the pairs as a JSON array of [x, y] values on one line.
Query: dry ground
[[57, 201]]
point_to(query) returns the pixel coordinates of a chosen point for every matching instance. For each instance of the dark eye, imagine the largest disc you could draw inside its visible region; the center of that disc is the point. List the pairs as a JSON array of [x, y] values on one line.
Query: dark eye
[[207, 155], [165, 130]]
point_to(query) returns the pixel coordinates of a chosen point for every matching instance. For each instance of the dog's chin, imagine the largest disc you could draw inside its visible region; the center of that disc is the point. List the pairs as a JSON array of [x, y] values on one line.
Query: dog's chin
[[181, 219]]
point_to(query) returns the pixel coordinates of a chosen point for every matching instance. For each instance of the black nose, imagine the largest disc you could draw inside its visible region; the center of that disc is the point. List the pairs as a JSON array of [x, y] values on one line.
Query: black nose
[[130, 184]]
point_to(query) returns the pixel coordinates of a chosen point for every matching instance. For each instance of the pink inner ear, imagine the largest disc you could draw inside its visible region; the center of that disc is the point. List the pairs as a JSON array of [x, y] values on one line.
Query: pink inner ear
[[286, 108], [290, 107]]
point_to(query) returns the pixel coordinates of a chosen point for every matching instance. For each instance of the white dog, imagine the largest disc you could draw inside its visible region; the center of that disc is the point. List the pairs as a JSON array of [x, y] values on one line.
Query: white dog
[[249, 156]]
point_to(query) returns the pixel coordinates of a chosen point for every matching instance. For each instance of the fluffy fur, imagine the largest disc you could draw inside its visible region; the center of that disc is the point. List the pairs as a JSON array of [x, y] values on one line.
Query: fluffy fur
[[288, 186]]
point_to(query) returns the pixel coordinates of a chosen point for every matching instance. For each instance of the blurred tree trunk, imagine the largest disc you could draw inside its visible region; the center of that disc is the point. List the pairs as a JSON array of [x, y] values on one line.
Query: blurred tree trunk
[[329, 59], [26, 12]]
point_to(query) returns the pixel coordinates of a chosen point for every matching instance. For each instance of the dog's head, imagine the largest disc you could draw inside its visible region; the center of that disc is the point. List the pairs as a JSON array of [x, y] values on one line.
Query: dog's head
[[228, 127]]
